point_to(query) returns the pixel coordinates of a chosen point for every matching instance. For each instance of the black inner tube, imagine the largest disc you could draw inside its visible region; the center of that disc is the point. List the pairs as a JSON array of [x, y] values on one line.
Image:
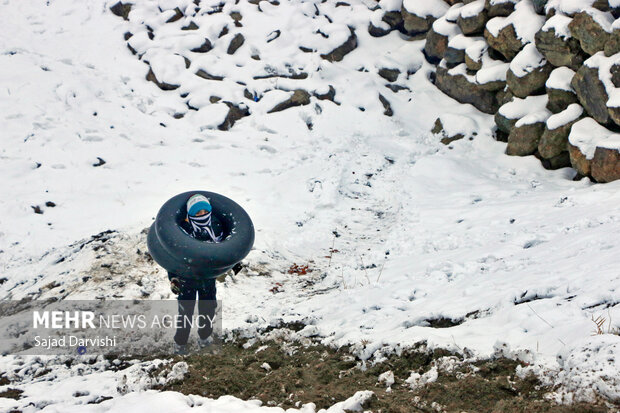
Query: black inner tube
[[180, 253]]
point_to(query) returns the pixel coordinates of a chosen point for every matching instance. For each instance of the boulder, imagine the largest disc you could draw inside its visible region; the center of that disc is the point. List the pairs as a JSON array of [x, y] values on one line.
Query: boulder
[[539, 6], [299, 98], [435, 46], [523, 138], [386, 105], [585, 28], [559, 89], [394, 19], [416, 26], [554, 140], [507, 43], [605, 165], [150, 76], [419, 15], [376, 31], [515, 109], [454, 56], [528, 72], [472, 18], [591, 93], [455, 84], [594, 150], [492, 76], [439, 130], [613, 44], [235, 43], [578, 160], [560, 161], [558, 49], [204, 47], [235, 112], [341, 51], [391, 75], [499, 8], [121, 9]]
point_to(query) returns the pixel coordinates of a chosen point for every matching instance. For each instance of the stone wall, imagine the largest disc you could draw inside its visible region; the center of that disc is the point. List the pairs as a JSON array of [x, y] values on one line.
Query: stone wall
[[540, 67]]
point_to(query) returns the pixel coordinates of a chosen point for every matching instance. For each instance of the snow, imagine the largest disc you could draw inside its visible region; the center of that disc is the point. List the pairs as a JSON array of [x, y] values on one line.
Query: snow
[[568, 6], [568, 115], [476, 50], [524, 19], [540, 116], [560, 78], [462, 42], [493, 73], [518, 108], [453, 12], [424, 230], [446, 28], [434, 8], [527, 60], [472, 9], [559, 23], [587, 135]]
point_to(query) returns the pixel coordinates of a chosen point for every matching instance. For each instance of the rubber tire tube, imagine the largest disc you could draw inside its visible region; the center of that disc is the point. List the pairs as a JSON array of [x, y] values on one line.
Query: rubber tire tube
[[181, 254]]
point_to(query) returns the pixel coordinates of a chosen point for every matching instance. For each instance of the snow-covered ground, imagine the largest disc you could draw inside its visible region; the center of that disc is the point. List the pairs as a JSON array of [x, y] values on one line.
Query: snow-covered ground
[[519, 257]]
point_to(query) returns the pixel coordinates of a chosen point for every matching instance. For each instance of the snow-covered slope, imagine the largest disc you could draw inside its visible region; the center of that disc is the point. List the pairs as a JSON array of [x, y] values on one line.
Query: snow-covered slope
[[518, 257]]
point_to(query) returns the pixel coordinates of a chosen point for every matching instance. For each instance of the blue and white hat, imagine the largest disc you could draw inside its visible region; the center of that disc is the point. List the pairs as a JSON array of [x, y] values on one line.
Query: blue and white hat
[[196, 203]]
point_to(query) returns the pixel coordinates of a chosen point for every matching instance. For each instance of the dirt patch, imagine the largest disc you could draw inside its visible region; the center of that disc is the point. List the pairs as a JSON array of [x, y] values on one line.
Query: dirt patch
[[11, 394], [289, 375]]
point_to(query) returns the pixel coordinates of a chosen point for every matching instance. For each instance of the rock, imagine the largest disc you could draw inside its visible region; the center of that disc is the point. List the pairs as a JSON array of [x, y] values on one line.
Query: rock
[[523, 139], [578, 160], [330, 95], [539, 6], [416, 26], [205, 75], [472, 24], [504, 96], [394, 19], [435, 46], [235, 112], [473, 65], [190, 26], [389, 74], [530, 84], [121, 9], [454, 57], [150, 76], [592, 37], [560, 99], [557, 162], [515, 109], [591, 93], [560, 51], [178, 15], [235, 43], [613, 44], [554, 140], [438, 129], [559, 90], [341, 51], [605, 165], [386, 105], [528, 72], [499, 9], [300, 97], [204, 48], [507, 43], [375, 31], [594, 150], [457, 86]]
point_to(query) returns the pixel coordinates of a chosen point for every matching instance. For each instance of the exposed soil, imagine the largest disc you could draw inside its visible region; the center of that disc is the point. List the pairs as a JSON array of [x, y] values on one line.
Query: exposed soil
[[296, 375]]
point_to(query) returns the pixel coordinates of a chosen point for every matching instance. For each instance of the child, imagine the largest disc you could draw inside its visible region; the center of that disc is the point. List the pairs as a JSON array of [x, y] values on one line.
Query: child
[[198, 225]]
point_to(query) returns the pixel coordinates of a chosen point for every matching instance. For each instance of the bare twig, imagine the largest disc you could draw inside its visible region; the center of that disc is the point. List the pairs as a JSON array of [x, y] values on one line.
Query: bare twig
[[381, 271], [364, 268], [549, 324]]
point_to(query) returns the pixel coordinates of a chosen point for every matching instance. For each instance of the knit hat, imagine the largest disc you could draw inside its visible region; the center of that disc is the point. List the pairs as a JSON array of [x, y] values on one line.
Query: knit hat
[[196, 203]]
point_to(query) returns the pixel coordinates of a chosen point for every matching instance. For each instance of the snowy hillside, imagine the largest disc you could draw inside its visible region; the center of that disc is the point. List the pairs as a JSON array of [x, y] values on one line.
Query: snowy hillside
[[408, 239]]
